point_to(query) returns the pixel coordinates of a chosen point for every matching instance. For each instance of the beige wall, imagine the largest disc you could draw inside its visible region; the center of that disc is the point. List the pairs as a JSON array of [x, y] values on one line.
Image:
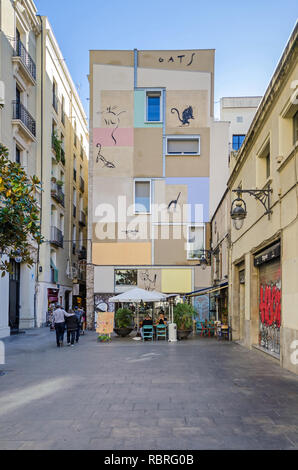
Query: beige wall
[[147, 152]]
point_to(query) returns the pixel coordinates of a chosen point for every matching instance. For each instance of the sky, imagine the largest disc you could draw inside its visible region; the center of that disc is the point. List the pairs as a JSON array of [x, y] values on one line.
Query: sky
[[249, 36]]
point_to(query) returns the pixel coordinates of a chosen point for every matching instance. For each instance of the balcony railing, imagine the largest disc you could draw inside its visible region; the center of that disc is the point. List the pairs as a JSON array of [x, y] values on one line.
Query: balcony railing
[[21, 51], [75, 175], [56, 237], [82, 220], [74, 210], [62, 156], [83, 253], [21, 113], [55, 102], [73, 248], [57, 193], [82, 184]]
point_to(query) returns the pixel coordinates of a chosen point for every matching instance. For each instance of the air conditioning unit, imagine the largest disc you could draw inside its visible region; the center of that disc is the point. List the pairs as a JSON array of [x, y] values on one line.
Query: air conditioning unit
[[2, 94]]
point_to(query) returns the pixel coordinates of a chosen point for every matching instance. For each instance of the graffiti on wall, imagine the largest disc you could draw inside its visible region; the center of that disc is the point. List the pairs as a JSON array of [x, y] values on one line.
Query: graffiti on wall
[[101, 158], [112, 119], [187, 114], [270, 317], [149, 282], [182, 59], [174, 202], [201, 306]]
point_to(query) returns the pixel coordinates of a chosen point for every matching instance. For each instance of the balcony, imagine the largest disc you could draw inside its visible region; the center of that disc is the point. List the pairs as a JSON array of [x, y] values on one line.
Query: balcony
[[57, 193], [25, 63], [82, 184], [74, 249], [82, 253], [62, 156], [23, 119], [82, 220], [74, 211], [56, 237], [55, 102], [75, 175]]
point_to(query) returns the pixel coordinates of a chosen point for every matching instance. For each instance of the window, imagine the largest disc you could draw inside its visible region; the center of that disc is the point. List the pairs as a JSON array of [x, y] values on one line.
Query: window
[[195, 242], [142, 196], [238, 141], [295, 128], [239, 118], [18, 155], [183, 145], [263, 164], [153, 106], [126, 277]]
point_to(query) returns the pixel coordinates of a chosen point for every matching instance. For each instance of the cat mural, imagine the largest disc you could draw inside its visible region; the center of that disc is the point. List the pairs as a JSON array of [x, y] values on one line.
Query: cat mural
[[187, 114]]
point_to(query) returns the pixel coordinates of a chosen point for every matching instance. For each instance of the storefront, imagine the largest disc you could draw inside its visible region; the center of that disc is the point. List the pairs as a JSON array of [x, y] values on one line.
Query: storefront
[[269, 268]]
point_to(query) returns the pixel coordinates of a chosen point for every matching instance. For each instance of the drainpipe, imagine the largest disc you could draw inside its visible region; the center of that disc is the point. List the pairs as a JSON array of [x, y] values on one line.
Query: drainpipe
[[41, 166]]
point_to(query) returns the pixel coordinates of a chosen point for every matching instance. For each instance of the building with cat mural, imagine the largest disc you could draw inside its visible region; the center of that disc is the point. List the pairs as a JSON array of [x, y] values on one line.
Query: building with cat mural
[[154, 141]]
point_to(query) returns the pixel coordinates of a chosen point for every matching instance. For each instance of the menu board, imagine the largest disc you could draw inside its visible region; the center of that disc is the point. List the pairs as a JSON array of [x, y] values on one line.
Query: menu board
[[105, 323]]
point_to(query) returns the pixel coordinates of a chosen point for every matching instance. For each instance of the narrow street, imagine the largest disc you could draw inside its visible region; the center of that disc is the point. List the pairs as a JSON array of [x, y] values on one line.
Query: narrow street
[[196, 394]]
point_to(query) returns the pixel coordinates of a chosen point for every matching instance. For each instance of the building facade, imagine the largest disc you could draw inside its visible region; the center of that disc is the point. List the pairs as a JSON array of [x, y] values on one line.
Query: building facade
[[19, 34], [153, 142], [238, 112], [63, 168], [263, 290], [41, 117]]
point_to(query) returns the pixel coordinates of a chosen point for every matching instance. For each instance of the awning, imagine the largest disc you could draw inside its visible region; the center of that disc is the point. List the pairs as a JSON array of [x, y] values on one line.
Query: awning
[[207, 290]]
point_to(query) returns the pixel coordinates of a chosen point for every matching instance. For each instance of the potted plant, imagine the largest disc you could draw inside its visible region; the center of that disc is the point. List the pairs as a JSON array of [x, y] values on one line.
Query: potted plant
[[60, 183], [123, 322], [183, 317]]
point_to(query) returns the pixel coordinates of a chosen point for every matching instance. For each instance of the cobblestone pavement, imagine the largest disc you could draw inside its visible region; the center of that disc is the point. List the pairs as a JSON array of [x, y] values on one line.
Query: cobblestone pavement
[[197, 394]]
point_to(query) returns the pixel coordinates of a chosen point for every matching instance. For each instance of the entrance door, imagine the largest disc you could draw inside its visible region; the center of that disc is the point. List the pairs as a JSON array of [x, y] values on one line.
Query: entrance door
[[270, 306], [14, 297]]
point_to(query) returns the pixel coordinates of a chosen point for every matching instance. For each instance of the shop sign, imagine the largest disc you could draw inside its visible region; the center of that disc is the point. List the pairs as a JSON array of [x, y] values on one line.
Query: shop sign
[[267, 255]]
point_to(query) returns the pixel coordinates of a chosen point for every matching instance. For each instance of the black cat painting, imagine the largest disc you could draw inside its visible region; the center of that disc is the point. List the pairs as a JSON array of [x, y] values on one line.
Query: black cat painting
[[187, 114]]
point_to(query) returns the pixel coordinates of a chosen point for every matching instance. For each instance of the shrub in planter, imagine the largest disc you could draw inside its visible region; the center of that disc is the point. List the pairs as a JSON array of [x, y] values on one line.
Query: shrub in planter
[[103, 339], [123, 322], [183, 317]]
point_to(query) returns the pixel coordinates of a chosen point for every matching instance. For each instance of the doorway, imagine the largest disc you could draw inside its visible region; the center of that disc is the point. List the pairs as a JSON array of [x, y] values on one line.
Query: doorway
[[14, 297]]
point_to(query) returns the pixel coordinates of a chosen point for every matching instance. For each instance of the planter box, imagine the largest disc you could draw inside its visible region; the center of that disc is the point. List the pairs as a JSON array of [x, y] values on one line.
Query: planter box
[[123, 331], [183, 334]]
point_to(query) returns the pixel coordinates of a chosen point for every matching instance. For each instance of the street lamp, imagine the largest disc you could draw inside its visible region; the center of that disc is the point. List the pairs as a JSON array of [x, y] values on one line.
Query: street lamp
[[205, 258], [238, 208]]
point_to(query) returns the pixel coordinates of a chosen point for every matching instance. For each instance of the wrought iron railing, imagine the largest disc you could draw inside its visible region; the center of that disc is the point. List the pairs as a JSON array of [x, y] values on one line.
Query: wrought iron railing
[[57, 193], [82, 253], [82, 220], [21, 113], [21, 51], [56, 237], [82, 184]]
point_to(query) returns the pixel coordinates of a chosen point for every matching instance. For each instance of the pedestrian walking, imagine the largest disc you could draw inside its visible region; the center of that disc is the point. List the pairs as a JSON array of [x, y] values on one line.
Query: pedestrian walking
[[72, 326], [79, 314], [58, 322]]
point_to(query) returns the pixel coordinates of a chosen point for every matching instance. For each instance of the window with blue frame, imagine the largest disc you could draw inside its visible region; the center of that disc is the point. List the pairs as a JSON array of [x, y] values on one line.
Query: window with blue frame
[[153, 107], [238, 141]]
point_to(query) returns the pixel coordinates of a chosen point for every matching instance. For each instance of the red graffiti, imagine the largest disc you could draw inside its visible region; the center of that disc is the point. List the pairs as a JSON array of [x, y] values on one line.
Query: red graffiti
[[270, 305]]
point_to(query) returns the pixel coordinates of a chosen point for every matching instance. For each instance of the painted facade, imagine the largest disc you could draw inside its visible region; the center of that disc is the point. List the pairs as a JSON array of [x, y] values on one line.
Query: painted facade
[[158, 161]]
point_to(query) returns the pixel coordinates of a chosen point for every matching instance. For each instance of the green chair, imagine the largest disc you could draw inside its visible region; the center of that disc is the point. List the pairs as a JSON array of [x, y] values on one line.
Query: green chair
[[147, 332], [161, 332]]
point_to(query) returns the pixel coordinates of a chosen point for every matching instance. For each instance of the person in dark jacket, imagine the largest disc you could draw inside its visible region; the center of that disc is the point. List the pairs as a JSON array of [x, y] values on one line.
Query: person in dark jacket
[[78, 314], [72, 325]]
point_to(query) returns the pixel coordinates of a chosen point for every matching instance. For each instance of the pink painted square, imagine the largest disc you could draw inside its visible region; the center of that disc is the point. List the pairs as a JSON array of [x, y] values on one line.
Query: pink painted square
[[108, 137]]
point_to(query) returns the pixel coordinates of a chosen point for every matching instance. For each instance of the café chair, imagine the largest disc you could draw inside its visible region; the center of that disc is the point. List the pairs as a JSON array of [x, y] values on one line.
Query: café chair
[[161, 332], [147, 332]]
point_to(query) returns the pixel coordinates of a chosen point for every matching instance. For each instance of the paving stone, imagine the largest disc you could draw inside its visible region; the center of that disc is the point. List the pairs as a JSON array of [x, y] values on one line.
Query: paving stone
[[202, 395]]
